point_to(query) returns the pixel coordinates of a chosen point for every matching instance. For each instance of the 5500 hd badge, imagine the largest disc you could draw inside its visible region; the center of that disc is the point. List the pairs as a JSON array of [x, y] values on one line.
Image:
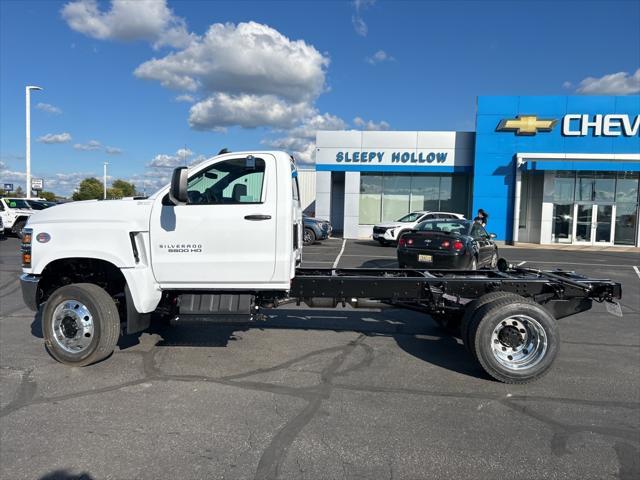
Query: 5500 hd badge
[[182, 247]]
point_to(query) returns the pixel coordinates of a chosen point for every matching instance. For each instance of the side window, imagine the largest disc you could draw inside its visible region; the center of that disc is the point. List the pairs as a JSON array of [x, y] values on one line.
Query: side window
[[1, 207], [478, 231], [229, 182]]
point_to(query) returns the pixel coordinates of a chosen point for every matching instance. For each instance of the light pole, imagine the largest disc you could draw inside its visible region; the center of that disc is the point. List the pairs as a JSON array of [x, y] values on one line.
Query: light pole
[[27, 93], [104, 181]]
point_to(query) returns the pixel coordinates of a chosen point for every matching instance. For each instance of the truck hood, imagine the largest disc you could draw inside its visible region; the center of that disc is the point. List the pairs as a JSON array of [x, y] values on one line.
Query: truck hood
[[132, 214]]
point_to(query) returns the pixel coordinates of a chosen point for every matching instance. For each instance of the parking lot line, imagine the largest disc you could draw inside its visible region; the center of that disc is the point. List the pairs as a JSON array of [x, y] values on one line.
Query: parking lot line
[[335, 264], [637, 271], [559, 262]]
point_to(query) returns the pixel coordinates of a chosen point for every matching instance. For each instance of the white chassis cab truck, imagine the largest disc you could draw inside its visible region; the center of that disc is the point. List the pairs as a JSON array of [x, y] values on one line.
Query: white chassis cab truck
[[224, 240]]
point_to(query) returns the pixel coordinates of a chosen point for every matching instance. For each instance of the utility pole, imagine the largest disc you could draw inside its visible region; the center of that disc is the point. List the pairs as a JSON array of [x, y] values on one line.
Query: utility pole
[[104, 180], [27, 93]]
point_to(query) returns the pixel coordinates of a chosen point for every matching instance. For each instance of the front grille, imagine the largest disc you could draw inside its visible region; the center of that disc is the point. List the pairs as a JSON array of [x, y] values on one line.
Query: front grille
[[380, 229]]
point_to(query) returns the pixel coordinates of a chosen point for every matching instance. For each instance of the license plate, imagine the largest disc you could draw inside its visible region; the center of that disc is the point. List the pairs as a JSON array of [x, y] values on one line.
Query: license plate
[[425, 258]]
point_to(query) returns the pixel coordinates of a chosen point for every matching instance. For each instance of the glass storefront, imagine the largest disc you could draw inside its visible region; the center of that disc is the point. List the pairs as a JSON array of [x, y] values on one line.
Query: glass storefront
[[388, 196], [595, 208]]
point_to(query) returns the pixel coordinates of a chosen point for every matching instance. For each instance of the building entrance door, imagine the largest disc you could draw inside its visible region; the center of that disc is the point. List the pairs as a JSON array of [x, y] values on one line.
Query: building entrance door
[[594, 223]]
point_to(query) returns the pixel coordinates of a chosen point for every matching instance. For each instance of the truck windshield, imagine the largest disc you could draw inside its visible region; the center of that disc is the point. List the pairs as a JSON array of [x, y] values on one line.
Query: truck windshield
[[17, 203]]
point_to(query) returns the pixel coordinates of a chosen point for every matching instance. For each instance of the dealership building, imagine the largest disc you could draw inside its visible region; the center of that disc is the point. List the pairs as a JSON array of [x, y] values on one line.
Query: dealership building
[[552, 169]]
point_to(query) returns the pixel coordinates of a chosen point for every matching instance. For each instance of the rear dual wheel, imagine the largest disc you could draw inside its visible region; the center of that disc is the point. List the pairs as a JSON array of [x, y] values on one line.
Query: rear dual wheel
[[514, 339]]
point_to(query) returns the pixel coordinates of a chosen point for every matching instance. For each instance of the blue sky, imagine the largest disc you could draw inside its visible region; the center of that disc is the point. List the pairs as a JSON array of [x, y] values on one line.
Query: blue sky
[[145, 79]]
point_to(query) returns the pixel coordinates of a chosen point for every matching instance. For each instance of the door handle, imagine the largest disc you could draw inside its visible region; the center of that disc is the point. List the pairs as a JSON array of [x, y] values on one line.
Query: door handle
[[257, 217]]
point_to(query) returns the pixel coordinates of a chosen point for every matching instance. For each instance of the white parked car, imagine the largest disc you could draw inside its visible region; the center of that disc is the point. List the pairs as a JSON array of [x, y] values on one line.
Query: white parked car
[[389, 232], [14, 212]]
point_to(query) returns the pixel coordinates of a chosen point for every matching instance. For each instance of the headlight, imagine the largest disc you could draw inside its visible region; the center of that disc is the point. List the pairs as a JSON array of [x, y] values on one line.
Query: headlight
[[27, 236]]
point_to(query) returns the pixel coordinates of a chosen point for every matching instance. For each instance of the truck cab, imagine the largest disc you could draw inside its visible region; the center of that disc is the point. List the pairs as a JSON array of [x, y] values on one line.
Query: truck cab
[[230, 227]]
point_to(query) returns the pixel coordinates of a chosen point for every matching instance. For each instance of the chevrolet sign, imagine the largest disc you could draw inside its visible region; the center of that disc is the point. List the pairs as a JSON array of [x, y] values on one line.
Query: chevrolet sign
[[526, 125]]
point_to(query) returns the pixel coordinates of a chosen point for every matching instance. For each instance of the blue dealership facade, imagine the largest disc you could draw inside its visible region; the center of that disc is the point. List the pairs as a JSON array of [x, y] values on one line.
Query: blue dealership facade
[[552, 169]]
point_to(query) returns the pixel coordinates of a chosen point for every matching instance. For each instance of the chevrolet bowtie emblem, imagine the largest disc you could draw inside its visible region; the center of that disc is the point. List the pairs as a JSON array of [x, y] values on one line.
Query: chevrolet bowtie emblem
[[526, 125]]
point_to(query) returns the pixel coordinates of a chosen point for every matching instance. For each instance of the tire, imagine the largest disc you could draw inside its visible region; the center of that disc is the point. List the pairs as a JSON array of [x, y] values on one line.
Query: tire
[[309, 237], [17, 228], [493, 264], [474, 263], [470, 312], [515, 341], [87, 312]]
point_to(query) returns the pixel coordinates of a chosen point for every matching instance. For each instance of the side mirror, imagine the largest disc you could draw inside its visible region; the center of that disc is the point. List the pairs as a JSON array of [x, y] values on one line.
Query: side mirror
[[178, 190], [492, 236]]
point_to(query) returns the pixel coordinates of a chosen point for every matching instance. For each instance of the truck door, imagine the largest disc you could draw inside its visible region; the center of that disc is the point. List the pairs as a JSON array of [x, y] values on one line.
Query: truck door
[[226, 234]]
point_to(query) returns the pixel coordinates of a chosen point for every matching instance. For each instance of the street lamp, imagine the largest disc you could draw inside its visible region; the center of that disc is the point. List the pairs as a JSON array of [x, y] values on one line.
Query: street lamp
[[104, 181], [27, 92]]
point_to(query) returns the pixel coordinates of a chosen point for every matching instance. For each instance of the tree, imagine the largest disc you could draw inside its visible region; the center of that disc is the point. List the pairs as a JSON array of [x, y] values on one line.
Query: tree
[[48, 196], [114, 193], [128, 189], [90, 189], [18, 193]]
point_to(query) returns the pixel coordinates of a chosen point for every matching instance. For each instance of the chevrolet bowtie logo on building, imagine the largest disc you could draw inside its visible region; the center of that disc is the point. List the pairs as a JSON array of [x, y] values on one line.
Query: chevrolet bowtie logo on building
[[526, 125]]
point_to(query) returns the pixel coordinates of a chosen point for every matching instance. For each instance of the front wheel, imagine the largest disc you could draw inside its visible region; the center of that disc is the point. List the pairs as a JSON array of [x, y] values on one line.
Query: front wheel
[[494, 260], [515, 341], [81, 324], [309, 237]]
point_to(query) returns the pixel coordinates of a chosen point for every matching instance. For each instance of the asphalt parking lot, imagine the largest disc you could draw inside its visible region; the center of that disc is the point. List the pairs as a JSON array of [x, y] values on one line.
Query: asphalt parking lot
[[324, 394]]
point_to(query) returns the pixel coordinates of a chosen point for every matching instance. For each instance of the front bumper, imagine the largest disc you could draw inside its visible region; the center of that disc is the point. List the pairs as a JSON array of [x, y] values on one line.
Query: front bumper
[[444, 260], [29, 285]]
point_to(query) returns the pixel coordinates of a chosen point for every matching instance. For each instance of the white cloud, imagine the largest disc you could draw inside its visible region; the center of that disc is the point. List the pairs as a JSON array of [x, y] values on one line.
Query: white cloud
[[55, 138], [128, 20], [91, 145], [59, 183], [163, 160], [186, 98], [300, 141], [370, 125], [244, 58], [621, 83], [379, 57], [113, 150], [358, 22], [222, 110], [47, 107], [567, 85]]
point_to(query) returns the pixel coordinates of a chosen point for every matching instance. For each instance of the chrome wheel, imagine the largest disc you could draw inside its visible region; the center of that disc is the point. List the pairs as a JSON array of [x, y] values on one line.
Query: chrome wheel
[[494, 260], [518, 342], [72, 326]]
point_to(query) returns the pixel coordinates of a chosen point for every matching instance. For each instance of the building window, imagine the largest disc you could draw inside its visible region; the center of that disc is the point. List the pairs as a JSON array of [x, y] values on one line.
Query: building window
[[370, 198], [387, 197], [563, 187], [396, 190]]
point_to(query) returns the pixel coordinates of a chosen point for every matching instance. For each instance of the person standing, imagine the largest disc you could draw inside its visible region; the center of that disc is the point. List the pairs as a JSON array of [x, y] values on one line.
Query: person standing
[[482, 217]]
